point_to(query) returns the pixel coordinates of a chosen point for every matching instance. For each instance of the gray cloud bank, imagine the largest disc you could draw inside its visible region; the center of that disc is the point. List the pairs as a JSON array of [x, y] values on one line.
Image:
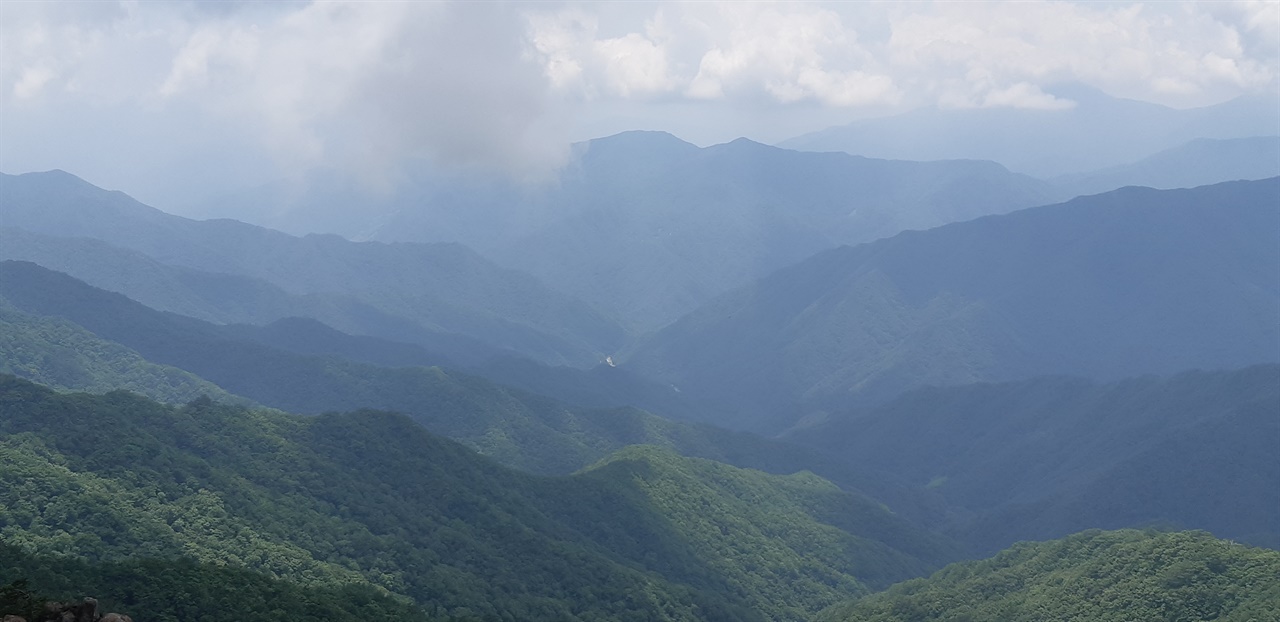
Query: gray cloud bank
[[165, 100]]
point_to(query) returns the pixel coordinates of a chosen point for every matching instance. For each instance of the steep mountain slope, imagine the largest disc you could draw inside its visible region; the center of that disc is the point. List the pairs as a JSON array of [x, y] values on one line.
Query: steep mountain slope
[[1197, 163], [1090, 577], [443, 287], [788, 542], [1124, 283], [1046, 457], [645, 226], [372, 498], [1092, 130]]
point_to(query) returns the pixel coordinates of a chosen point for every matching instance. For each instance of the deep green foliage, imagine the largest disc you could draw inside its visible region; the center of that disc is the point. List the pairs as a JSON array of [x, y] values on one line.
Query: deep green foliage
[[182, 590], [1043, 458], [1110, 286], [1093, 576], [372, 498]]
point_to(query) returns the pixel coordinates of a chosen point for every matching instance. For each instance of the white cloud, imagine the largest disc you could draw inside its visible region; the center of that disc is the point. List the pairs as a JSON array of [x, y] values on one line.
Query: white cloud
[[1174, 54], [350, 84], [949, 53], [365, 85], [1024, 95]]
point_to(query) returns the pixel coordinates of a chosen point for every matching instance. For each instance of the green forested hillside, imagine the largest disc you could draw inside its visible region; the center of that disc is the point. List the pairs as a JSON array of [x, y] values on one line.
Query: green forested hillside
[[60, 354], [372, 498], [786, 542], [1091, 577], [437, 287], [1109, 286], [1041, 458], [182, 590]]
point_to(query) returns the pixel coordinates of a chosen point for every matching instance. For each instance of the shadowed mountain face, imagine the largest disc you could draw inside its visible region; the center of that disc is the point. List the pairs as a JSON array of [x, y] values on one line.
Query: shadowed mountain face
[[1094, 130], [1128, 282], [1042, 458], [433, 288], [645, 226]]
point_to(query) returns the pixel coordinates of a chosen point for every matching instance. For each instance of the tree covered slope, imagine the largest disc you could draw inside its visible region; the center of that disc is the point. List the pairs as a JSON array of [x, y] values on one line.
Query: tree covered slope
[[181, 590], [1090, 577], [1108, 286], [372, 498], [60, 354]]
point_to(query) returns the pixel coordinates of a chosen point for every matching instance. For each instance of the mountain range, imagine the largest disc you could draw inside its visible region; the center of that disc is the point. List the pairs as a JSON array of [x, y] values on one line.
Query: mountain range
[[645, 226], [371, 498], [1042, 458], [1199, 162], [1125, 283], [405, 289], [1083, 131], [732, 383]]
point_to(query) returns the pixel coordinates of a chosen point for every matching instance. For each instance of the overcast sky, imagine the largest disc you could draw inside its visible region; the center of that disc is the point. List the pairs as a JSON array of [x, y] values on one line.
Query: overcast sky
[[168, 99]]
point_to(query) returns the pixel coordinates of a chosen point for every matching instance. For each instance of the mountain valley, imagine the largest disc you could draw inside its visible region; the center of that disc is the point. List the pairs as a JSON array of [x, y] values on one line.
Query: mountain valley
[[725, 383]]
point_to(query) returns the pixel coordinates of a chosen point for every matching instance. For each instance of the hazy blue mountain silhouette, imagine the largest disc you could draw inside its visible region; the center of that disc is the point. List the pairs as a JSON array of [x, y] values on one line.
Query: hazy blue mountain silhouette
[[1200, 162], [1119, 284], [1042, 458], [645, 226], [1097, 131], [439, 287]]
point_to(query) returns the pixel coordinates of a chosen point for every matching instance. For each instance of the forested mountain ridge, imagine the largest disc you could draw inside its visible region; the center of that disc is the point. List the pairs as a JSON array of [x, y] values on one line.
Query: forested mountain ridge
[[60, 354], [370, 497], [1041, 458], [1118, 284], [1090, 577], [305, 324], [442, 287], [519, 429]]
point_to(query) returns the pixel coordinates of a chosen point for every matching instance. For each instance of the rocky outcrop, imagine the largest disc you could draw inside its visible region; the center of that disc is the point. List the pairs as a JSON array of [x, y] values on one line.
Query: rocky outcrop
[[83, 611]]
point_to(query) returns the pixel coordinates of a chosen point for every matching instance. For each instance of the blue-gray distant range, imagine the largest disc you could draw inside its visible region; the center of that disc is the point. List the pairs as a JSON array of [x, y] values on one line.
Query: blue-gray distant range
[[1094, 131], [1133, 281], [645, 227]]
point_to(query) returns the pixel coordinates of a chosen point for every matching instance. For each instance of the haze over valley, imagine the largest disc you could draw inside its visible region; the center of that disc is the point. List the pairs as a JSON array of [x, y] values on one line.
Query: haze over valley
[[830, 312]]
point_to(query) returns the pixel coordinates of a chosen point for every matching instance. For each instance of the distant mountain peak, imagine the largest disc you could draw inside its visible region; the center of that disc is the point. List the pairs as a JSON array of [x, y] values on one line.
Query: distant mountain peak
[[642, 137]]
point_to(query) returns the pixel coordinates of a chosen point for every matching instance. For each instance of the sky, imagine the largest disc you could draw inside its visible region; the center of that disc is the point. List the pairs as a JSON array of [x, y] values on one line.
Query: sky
[[173, 101]]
